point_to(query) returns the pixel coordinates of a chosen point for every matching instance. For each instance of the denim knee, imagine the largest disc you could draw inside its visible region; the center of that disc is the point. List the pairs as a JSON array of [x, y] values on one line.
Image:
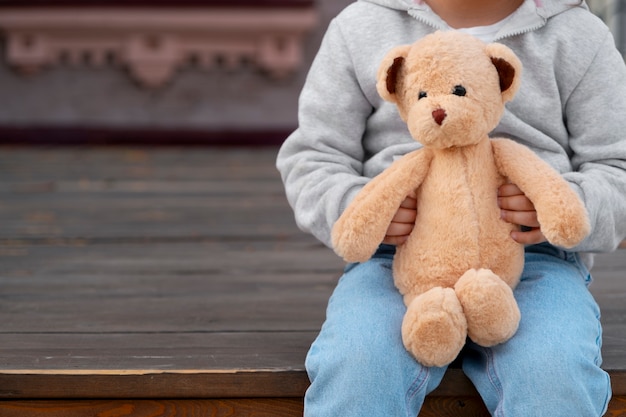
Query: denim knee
[[358, 364], [377, 378], [551, 366]]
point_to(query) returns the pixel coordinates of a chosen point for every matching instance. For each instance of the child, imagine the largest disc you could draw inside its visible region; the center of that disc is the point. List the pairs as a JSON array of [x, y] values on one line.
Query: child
[[571, 110]]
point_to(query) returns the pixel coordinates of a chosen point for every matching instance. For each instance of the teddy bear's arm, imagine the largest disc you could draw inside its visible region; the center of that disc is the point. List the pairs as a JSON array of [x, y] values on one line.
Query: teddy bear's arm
[[363, 225], [560, 211]]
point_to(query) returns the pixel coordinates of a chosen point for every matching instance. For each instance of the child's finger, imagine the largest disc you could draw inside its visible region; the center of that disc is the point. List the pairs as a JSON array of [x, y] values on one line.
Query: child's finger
[[405, 215], [531, 237], [409, 203], [399, 229], [507, 190], [516, 203], [523, 218], [395, 240]]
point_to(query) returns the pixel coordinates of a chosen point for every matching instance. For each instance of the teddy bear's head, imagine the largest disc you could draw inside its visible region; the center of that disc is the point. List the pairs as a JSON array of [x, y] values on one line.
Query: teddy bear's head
[[450, 88]]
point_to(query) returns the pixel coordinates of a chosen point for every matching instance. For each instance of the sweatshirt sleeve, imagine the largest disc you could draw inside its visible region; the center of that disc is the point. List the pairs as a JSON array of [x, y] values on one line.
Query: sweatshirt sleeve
[[321, 163], [596, 120]]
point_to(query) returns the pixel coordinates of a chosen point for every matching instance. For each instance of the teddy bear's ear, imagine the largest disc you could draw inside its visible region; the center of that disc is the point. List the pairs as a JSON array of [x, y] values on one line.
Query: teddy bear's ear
[[509, 69], [388, 72]]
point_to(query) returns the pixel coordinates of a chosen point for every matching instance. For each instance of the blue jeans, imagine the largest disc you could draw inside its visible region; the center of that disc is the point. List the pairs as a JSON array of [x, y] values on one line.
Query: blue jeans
[[551, 367]]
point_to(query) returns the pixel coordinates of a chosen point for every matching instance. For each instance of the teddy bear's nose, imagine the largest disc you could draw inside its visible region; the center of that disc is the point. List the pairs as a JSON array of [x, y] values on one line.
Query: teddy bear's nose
[[439, 115]]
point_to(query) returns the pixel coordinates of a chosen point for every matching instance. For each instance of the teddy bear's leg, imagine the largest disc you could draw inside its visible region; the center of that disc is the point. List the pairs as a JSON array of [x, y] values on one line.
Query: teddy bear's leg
[[489, 306], [434, 327]]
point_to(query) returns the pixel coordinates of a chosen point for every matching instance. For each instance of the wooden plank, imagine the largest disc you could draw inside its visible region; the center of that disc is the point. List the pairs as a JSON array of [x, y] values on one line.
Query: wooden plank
[[54, 135], [126, 193], [113, 353], [455, 406], [163, 313], [166, 287], [617, 407], [111, 164], [258, 384], [22, 259], [618, 381], [122, 216], [257, 407]]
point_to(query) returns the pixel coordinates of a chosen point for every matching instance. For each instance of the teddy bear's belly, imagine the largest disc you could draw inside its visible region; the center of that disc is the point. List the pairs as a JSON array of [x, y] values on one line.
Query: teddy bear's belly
[[457, 228]]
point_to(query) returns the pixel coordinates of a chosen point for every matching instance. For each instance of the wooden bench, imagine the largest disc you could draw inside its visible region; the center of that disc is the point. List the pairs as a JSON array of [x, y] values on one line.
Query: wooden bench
[[173, 282]]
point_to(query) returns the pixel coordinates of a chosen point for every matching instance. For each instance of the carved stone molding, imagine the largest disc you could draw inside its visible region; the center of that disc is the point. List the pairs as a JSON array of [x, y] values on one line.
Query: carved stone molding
[[152, 43]]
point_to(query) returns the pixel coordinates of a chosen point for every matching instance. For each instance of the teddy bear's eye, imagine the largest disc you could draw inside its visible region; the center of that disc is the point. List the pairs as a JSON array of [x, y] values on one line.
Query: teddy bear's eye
[[459, 90], [421, 95]]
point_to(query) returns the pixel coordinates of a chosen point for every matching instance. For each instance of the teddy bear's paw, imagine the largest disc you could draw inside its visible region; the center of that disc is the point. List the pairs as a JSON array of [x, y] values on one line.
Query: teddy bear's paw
[[566, 233], [490, 309], [352, 246], [434, 327], [566, 225]]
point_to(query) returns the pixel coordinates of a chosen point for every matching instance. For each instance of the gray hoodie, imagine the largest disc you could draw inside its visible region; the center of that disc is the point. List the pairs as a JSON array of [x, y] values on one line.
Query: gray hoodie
[[570, 110]]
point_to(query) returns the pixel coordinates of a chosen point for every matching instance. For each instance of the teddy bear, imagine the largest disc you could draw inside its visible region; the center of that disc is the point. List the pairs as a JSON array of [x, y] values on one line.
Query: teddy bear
[[459, 266]]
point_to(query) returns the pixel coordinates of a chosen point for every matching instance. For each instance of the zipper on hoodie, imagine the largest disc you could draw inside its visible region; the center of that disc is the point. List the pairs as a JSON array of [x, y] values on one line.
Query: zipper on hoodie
[[526, 27], [425, 16], [414, 12]]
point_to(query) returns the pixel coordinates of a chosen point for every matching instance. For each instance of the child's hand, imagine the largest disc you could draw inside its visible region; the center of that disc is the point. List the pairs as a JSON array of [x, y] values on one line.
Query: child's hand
[[402, 223], [516, 208]]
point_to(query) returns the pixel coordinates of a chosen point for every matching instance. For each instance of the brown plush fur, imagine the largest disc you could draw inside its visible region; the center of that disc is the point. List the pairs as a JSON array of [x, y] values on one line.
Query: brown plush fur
[[458, 267]]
